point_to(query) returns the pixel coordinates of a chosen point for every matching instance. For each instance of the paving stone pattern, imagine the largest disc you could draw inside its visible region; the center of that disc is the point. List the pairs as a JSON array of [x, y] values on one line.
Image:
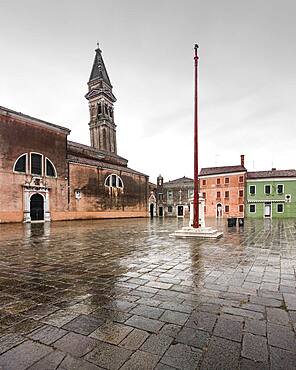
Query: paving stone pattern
[[122, 294]]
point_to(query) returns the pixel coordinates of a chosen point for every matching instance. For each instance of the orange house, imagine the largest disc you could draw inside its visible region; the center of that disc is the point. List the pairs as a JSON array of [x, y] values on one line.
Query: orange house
[[223, 189]]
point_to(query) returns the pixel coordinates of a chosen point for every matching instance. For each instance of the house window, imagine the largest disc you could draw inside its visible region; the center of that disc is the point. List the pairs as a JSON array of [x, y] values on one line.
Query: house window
[[204, 182], [170, 194], [241, 208], [252, 208], [21, 164], [226, 180], [226, 194], [241, 193], [114, 181], [36, 164], [160, 196], [78, 194], [204, 195], [170, 209], [218, 181], [218, 194], [252, 189], [226, 209], [241, 179], [267, 189], [280, 189], [205, 209], [280, 208], [50, 170], [190, 193]]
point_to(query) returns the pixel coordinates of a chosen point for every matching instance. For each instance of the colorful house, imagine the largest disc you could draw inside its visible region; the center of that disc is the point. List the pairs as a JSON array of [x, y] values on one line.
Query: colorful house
[[223, 189], [271, 194]]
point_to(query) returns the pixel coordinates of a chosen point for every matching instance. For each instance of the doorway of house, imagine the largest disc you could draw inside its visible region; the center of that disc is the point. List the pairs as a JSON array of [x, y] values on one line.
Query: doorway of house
[[180, 211], [151, 210], [160, 211], [37, 207], [219, 210], [267, 210]]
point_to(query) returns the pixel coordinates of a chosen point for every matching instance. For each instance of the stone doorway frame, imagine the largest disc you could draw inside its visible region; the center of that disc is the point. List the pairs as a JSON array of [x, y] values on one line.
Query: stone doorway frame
[[36, 186]]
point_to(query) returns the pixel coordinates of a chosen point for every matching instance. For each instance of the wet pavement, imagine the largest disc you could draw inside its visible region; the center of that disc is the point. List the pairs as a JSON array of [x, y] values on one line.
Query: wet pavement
[[122, 294]]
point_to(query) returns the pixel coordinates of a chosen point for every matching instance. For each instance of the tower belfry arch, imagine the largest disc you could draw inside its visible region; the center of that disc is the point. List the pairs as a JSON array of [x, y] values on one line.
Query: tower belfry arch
[[101, 100]]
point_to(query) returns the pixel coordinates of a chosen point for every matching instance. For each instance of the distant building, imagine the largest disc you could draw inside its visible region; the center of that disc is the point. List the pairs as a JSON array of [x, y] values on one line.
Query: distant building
[[152, 199], [173, 197], [44, 176], [223, 189], [271, 194]]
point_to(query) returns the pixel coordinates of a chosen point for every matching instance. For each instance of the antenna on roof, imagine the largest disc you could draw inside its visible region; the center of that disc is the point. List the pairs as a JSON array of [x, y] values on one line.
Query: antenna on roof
[[216, 159]]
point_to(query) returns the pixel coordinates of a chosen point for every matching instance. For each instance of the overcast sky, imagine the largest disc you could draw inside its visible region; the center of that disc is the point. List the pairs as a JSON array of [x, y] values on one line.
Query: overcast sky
[[247, 76]]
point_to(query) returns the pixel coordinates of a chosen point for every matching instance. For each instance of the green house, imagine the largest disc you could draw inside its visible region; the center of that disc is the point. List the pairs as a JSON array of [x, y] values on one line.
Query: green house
[[271, 194]]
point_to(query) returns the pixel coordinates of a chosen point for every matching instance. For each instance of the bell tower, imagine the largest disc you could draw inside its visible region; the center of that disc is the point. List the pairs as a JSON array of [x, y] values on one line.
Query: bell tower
[[100, 100]]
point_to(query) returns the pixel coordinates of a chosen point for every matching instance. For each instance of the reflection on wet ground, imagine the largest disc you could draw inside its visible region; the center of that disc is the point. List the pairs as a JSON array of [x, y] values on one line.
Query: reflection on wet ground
[[123, 294]]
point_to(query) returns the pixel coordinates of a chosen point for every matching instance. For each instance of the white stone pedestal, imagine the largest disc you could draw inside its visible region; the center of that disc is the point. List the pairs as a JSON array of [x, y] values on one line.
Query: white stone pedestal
[[202, 231]]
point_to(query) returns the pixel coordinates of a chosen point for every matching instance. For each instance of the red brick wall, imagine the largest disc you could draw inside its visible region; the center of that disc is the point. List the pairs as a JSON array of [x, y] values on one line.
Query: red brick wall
[[18, 136], [96, 197]]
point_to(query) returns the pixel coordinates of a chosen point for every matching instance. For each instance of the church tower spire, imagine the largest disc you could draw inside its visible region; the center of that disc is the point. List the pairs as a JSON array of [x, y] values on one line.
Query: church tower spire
[[100, 100]]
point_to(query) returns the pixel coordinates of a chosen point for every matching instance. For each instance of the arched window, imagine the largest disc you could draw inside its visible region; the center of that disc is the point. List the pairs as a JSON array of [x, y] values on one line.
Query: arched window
[[35, 166], [50, 170], [114, 181], [21, 164]]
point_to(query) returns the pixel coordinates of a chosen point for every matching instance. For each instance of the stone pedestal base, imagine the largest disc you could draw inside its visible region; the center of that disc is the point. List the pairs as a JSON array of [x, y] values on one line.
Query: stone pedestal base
[[201, 232]]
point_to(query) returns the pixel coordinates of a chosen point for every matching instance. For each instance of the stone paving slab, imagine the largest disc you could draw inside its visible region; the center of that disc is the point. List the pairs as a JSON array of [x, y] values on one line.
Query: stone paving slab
[[75, 344], [255, 348], [111, 332], [221, 354], [108, 356], [181, 356], [23, 356], [80, 295], [157, 344]]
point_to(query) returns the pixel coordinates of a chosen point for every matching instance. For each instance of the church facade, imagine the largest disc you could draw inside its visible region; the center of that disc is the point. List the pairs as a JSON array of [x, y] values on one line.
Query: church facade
[[44, 176]]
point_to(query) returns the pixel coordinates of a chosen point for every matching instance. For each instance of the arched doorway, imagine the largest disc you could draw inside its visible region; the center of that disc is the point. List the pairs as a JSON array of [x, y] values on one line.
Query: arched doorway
[[37, 207], [219, 210]]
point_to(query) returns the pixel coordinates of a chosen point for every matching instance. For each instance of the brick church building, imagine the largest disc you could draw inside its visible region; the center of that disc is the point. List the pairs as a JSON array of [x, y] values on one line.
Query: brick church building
[[44, 176]]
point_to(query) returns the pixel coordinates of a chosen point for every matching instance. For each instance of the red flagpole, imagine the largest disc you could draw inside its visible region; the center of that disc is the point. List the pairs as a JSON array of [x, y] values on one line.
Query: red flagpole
[[196, 195]]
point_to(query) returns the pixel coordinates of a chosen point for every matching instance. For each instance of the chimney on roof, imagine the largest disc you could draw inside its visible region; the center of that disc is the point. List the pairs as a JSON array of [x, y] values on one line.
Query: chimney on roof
[[242, 160], [273, 169]]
